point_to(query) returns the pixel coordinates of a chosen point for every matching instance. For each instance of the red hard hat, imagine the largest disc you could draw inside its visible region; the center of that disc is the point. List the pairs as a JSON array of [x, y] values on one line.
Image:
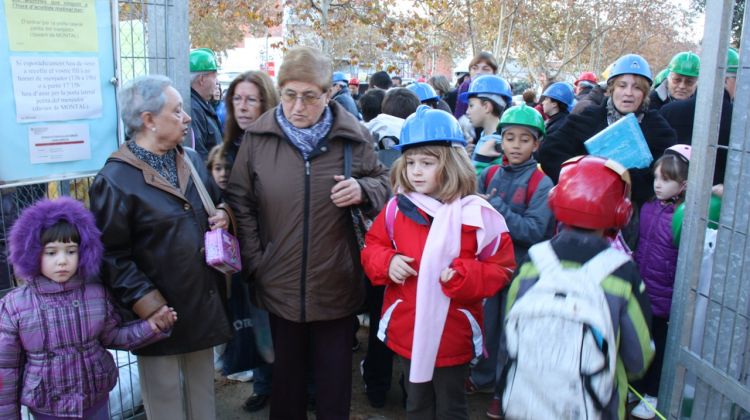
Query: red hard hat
[[592, 193], [354, 81], [421, 80], [587, 76]]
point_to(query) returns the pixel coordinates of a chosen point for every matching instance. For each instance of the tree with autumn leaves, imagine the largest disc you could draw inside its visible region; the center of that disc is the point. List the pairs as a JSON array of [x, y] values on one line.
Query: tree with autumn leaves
[[545, 36]]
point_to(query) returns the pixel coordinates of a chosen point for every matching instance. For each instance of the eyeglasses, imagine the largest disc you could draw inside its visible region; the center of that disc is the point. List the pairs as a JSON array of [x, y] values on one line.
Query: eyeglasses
[[251, 101], [308, 98]]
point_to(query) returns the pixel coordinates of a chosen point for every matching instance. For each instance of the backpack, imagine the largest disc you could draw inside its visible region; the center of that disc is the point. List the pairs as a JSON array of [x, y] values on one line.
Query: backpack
[[386, 155], [560, 340], [536, 177]]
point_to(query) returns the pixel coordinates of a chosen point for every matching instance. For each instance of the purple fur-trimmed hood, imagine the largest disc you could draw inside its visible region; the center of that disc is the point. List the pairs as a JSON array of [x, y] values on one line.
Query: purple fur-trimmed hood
[[25, 237]]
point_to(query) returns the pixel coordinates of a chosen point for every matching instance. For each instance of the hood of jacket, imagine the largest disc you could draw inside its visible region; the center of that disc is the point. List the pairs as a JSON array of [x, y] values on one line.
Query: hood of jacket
[[26, 247], [385, 125]]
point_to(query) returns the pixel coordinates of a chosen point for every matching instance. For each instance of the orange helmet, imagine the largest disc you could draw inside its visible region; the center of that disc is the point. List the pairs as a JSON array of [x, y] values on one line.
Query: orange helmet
[[592, 193]]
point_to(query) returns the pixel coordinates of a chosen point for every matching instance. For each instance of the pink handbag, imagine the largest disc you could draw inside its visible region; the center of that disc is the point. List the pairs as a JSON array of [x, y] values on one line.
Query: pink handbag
[[222, 248]]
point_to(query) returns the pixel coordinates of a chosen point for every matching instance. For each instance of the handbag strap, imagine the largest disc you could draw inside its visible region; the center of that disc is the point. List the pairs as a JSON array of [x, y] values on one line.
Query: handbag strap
[[208, 204]]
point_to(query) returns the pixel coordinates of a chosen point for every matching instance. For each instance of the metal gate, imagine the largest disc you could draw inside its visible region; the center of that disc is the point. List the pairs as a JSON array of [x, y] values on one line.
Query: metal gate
[[707, 360]]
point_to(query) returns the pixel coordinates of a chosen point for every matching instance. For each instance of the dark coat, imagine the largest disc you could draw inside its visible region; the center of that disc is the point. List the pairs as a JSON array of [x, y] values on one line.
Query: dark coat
[[567, 142], [344, 98], [554, 122], [594, 98], [205, 125], [153, 235], [298, 249], [681, 116]]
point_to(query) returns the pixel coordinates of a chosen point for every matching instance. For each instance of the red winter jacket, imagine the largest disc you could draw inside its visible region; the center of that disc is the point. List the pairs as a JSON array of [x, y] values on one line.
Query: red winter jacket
[[474, 280]]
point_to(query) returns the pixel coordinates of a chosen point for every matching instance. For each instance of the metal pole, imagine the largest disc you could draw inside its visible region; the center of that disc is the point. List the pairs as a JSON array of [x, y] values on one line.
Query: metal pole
[[178, 49], [705, 134]]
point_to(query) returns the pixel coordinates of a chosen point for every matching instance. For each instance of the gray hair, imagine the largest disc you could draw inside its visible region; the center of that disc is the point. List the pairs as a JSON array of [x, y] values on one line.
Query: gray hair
[[143, 94], [441, 84], [196, 74]]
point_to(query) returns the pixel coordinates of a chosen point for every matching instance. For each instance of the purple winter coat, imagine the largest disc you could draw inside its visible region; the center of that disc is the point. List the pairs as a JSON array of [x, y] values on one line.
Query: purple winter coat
[[656, 255], [52, 345]]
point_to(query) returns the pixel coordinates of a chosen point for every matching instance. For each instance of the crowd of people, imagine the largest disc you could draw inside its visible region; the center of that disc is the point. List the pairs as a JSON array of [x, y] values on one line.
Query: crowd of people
[[469, 228]]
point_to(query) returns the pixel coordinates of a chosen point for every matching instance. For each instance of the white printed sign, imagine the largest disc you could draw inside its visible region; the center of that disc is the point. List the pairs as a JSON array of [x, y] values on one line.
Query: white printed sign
[[56, 88], [59, 143]]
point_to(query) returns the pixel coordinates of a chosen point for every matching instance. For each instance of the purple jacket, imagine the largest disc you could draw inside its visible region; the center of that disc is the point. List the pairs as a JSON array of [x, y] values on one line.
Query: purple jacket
[[461, 106], [52, 345], [656, 255]]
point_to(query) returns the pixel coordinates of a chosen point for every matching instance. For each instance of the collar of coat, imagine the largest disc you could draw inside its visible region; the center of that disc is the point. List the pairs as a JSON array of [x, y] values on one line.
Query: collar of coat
[[151, 176], [344, 125], [43, 285]]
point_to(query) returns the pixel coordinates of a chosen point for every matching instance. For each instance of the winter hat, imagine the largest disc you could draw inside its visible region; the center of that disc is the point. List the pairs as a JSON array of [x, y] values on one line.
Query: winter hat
[[25, 237], [534, 132]]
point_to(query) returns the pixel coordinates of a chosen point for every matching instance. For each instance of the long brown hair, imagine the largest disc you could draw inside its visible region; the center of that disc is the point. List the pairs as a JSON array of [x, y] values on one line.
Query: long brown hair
[[456, 175], [269, 98]]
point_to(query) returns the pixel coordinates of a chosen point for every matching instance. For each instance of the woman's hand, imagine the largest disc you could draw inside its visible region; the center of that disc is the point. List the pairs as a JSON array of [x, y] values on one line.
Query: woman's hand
[[399, 269], [163, 319], [347, 192], [219, 221]]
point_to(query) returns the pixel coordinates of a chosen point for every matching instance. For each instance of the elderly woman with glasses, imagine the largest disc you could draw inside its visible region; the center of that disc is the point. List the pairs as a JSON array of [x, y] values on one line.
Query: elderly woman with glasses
[[299, 249], [153, 224]]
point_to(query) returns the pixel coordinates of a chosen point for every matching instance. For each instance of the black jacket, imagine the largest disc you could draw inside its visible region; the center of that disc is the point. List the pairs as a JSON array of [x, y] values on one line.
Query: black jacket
[[556, 121], [154, 249], [681, 116], [205, 125], [594, 98], [567, 142]]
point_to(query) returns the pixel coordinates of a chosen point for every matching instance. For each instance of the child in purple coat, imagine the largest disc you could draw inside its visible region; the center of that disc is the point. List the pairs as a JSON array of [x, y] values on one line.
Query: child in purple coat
[[55, 329], [656, 256]]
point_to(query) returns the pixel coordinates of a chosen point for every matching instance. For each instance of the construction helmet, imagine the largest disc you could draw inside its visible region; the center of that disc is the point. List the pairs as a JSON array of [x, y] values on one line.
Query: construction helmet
[[607, 71], [354, 82], [592, 193], [338, 77], [488, 84], [586, 76], [202, 59], [661, 76], [631, 64], [561, 92], [430, 126], [683, 151], [714, 213], [733, 60], [685, 63], [423, 91], [522, 115]]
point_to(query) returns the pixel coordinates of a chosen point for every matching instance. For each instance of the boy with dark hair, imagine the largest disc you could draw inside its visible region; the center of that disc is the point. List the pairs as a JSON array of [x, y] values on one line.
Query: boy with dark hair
[[371, 104], [380, 80], [488, 96]]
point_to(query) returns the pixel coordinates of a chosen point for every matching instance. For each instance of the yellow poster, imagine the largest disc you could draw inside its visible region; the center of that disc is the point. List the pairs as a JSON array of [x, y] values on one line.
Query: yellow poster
[[52, 25]]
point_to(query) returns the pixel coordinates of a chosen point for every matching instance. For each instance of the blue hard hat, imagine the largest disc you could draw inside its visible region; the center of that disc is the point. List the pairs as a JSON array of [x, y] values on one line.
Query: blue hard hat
[[424, 91], [561, 92], [429, 125], [338, 77], [488, 84], [631, 64]]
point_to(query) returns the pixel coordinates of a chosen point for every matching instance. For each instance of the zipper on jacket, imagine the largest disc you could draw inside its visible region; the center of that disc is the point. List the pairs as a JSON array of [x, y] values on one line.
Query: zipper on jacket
[[305, 237]]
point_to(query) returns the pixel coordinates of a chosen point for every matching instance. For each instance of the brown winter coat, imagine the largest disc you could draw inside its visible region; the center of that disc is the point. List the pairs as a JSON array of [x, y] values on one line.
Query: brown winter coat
[[298, 249]]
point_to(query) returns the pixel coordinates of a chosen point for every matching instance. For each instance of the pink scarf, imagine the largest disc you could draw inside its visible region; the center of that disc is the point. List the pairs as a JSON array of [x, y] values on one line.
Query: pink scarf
[[442, 247]]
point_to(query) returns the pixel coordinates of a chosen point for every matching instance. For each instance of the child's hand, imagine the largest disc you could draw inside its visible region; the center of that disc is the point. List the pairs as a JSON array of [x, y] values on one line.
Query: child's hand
[[163, 319], [400, 269], [490, 195], [488, 149], [447, 274], [718, 190]]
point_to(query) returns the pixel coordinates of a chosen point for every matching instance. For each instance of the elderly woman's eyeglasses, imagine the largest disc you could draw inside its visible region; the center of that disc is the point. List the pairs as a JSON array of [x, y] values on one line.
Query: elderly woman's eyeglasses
[[308, 98], [249, 100]]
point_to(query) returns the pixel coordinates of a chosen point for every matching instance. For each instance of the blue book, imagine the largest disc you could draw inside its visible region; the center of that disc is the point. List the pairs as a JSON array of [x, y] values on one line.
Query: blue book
[[623, 142]]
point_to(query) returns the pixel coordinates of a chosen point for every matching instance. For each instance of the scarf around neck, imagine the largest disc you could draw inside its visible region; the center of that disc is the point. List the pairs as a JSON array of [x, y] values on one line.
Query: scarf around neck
[[305, 139], [443, 245], [613, 114]]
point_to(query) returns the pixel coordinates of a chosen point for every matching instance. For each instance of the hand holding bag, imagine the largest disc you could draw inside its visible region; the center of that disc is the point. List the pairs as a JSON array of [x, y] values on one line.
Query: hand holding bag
[[222, 248], [361, 222]]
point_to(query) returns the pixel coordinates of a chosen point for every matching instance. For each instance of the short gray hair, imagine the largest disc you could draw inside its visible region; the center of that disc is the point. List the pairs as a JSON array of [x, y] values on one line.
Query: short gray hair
[[143, 94]]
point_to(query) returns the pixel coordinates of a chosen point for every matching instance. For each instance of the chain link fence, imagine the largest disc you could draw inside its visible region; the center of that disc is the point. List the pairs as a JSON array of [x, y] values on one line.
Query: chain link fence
[[152, 39]]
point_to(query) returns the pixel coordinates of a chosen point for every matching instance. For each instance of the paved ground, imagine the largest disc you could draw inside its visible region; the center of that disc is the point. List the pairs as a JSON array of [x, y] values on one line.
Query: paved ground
[[231, 395]]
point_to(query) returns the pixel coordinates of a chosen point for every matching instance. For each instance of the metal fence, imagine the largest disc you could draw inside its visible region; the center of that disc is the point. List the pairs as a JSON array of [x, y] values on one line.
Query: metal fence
[[152, 38], [707, 365]]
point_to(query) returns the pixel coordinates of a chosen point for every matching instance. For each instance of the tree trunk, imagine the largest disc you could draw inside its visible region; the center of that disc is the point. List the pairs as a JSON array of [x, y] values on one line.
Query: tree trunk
[[471, 30]]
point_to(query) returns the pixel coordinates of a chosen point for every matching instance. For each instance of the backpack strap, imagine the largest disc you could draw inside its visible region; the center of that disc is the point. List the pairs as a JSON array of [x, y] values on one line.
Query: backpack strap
[[544, 258], [536, 177], [390, 217], [604, 264], [491, 171]]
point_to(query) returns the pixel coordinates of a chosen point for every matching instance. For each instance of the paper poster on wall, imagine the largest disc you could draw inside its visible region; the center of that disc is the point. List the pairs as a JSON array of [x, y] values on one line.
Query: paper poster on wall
[[56, 88], [59, 143], [50, 25]]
